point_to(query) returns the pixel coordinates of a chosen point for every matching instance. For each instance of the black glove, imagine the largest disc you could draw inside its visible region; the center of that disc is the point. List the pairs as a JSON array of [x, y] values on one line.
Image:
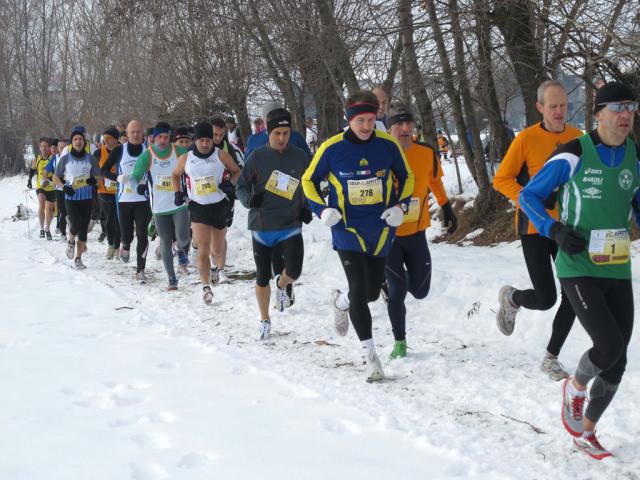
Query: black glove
[[29, 184], [91, 181], [450, 219], [568, 240], [228, 189], [550, 201], [256, 200], [68, 189], [32, 172], [142, 189], [305, 216], [180, 198]]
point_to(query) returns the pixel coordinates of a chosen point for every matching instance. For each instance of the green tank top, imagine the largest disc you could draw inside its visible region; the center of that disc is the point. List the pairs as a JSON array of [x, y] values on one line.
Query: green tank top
[[597, 203]]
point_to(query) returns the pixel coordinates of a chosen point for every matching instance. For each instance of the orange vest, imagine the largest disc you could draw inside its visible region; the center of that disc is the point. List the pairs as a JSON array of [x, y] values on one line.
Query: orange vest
[[428, 177], [527, 154], [113, 186]]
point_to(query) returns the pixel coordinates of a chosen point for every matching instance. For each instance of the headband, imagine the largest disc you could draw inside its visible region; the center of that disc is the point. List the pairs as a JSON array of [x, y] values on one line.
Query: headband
[[360, 108]]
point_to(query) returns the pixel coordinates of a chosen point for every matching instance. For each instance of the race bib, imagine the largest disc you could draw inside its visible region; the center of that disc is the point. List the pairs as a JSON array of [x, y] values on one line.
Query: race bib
[[282, 184], [163, 183], [79, 181], [110, 185], [413, 213], [609, 247], [365, 192], [206, 185]]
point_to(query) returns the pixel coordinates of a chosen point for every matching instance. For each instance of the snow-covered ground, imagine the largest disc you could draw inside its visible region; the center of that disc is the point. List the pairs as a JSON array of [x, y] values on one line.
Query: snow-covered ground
[[106, 379]]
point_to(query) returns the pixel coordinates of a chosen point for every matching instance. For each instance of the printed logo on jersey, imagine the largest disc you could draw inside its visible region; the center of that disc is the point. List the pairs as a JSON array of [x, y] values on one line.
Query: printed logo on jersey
[[363, 172], [625, 179], [364, 162], [346, 174], [592, 192], [162, 163]]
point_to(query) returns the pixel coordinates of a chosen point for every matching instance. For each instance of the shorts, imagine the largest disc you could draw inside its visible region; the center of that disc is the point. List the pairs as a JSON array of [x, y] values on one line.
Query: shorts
[[212, 214], [49, 196]]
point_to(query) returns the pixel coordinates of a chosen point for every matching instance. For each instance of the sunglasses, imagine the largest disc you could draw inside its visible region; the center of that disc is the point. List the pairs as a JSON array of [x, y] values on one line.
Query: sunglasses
[[621, 107]]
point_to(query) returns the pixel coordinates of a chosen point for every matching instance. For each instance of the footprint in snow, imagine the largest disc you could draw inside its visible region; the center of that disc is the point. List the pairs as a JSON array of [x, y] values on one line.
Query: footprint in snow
[[148, 471], [196, 460], [155, 441], [154, 417]]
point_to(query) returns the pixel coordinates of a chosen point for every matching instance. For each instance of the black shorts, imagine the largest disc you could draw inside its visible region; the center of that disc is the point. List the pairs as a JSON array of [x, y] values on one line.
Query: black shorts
[[49, 196], [213, 214]]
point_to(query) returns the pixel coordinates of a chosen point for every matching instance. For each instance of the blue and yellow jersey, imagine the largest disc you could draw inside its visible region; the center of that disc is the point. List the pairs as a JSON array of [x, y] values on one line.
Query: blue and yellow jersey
[[361, 178], [41, 174]]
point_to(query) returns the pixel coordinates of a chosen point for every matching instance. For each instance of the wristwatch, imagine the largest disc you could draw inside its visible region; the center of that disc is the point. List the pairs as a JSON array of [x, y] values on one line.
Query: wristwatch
[[404, 207]]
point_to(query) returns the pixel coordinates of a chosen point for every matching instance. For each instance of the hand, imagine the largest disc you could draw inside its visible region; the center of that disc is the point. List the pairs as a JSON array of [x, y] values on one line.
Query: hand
[[305, 216], [91, 181], [394, 216], [180, 198], [330, 216], [29, 184], [450, 219], [228, 189], [568, 239], [256, 200], [68, 189], [123, 178], [142, 188], [550, 201]]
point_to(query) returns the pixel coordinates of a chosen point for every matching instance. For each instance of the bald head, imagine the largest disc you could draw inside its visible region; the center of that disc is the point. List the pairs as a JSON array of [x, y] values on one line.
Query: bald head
[[134, 132]]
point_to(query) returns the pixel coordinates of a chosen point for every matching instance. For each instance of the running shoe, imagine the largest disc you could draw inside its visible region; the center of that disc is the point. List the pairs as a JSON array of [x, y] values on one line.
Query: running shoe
[[282, 300], [374, 367], [58, 231], [78, 263], [290, 294], [48, 235], [141, 277], [553, 368], [173, 283], [207, 294], [222, 276], [183, 257], [341, 317], [506, 316], [111, 252], [71, 248], [265, 329], [572, 410], [41, 233], [399, 350], [591, 446], [124, 255], [214, 277]]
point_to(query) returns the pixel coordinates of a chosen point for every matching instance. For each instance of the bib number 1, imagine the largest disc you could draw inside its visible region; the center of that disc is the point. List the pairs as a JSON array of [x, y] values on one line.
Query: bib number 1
[[609, 247]]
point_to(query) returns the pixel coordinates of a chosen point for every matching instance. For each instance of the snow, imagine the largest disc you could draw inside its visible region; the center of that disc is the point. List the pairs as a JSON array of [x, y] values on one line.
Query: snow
[[171, 388]]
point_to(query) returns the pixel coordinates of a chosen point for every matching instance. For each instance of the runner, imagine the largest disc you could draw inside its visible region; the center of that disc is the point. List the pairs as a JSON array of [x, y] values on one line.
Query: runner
[[183, 138], [269, 187], [597, 177], [525, 157], [107, 190], [204, 168], [258, 139], [158, 163], [381, 114], [61, 218], [132, 207], [77, 173], [410, 249], [233, 133], [45, 189], [443, 145], [363, 211]]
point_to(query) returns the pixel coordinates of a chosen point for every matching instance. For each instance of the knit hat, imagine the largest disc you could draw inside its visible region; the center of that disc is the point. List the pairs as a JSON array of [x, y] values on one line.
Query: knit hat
[[278, 118], [203, 130], [161, 127], [612, 92], [182, 132], [76, 131], [398, 113], [112, 132], [79, 128]]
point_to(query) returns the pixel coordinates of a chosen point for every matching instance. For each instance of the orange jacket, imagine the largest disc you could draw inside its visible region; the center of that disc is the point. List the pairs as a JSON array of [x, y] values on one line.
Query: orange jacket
[[428, 177], [112, 187], [527, 154]]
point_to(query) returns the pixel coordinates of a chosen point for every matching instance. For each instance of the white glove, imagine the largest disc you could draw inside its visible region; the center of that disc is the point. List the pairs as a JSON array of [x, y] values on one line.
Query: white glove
[[330, 216], [123, 178], [394, 216]]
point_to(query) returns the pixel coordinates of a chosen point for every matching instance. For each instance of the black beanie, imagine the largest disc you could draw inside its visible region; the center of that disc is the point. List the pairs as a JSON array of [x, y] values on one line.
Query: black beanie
[[398, 113], [182, 132], [612, 92], [112, 132], [203, 130], [277, 118]]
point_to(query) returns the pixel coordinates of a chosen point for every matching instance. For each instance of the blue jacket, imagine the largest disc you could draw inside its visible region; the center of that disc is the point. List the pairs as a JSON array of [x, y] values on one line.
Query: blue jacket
[[560, 169], [344, 161]]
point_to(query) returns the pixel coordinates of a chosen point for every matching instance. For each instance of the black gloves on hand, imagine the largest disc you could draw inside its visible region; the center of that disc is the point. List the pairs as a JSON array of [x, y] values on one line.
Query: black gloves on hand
[[256, 200], [180, 198], [305, 216], [450, 219], [550, 201], [29, 185], [568, 240], [228, 189], [68, 189], [91, 181], [142, 189]]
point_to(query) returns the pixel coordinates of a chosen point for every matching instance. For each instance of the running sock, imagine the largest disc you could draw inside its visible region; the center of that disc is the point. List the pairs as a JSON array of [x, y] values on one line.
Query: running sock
[[368, 344]]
